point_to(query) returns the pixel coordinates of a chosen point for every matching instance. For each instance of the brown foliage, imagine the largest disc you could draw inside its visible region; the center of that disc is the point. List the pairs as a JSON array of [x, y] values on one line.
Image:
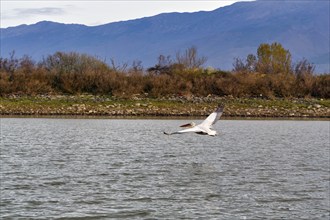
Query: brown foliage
[[321, 86], [72, 73]]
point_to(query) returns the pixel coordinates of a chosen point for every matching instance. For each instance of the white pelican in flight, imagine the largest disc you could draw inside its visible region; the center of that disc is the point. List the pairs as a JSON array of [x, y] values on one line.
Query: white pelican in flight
[[205, 127]]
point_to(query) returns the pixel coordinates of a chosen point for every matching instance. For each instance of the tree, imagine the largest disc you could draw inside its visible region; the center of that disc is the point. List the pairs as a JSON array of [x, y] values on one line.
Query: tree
[[303, 68], [187, 62], [163, 66], [190, 59], [304, 77], [239, 65], [246, 67], [9, 65], [273, 59], [251, 62]]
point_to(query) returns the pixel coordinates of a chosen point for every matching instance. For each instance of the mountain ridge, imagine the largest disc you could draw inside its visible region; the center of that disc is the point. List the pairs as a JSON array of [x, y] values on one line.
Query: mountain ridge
[[221, 35]]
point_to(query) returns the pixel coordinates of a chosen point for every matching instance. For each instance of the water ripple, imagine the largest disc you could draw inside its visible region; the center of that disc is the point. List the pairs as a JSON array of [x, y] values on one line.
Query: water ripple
[[104, 169]]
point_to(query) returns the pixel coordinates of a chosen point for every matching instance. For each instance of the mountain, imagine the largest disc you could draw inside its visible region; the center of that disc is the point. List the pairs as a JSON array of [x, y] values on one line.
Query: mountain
[[220, 35]]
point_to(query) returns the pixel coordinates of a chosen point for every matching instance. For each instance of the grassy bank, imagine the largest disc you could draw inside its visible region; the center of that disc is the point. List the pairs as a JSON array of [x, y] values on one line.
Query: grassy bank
[[88, 105]]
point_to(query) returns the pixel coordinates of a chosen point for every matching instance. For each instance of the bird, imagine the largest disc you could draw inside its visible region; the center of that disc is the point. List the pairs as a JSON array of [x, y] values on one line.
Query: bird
[[204, 128]]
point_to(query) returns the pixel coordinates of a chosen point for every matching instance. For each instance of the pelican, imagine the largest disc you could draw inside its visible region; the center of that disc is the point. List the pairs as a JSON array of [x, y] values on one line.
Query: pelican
[[205, 127]]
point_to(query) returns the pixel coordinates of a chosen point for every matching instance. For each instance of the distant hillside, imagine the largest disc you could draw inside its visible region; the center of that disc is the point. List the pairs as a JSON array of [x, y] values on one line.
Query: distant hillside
[[220, 35]]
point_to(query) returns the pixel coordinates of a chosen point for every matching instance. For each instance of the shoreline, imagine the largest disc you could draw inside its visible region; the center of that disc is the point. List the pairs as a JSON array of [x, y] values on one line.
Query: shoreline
[[224, 118], [85, 106]]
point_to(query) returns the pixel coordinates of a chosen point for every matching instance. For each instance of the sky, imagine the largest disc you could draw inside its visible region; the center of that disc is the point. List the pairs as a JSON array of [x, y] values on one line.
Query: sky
[[92, 13]]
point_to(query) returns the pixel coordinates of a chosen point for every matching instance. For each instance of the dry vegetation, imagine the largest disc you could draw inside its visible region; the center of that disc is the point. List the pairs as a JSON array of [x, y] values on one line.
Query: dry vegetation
[[269, 74]]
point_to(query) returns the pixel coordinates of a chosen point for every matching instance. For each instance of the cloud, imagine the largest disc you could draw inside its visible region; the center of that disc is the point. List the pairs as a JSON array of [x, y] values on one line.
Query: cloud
[[28, 13], [39, 11]]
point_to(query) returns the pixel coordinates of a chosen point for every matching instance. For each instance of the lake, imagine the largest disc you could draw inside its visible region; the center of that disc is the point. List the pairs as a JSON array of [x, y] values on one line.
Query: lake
[[128, 169]]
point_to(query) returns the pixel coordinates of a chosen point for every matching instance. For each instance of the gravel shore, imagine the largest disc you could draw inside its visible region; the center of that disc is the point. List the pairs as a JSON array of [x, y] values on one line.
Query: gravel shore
[[88, 105]]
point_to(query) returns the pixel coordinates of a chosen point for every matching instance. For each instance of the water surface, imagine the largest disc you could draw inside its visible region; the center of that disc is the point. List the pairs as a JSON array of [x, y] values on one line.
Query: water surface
[[104, 168]]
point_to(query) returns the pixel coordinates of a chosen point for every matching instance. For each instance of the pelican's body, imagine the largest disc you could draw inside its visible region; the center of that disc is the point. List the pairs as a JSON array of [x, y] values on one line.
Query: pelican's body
[[205, 127]]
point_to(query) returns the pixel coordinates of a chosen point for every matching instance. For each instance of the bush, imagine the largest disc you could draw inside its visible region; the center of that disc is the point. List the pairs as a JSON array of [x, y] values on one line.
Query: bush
[[73, 73]]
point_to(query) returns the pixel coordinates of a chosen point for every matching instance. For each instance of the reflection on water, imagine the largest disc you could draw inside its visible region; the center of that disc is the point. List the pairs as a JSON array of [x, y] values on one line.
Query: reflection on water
[[99, 168]]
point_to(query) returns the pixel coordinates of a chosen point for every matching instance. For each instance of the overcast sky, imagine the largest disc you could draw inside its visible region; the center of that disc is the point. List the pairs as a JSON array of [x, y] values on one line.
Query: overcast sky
[[93, 13]]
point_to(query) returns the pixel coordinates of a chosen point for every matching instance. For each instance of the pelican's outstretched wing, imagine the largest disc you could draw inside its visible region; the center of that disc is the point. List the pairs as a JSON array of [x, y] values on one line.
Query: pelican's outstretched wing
[[213, 117], [189, 125], [195, 129]]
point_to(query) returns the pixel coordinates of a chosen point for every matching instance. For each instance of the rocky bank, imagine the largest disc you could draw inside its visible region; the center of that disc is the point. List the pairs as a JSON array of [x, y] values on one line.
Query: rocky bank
[[88, 105]]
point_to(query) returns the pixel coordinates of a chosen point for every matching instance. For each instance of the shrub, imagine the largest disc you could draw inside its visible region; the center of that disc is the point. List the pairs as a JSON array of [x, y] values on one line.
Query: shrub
[[74, 73]]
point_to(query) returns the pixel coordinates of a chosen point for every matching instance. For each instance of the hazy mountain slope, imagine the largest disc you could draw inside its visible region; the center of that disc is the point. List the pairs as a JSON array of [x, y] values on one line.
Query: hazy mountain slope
[[222, 34]]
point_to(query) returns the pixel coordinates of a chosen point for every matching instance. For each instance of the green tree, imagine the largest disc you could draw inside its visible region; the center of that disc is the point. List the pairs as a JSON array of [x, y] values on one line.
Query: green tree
[[273, 59]]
